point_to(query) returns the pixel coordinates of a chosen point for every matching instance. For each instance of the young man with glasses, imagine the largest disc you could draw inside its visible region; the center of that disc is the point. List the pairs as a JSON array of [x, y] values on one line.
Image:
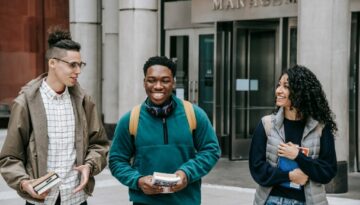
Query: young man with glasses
[[54, 126]]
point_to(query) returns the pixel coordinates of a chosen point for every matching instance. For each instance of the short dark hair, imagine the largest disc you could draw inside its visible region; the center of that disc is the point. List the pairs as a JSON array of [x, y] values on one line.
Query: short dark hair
[[160, 60], [59, 40]]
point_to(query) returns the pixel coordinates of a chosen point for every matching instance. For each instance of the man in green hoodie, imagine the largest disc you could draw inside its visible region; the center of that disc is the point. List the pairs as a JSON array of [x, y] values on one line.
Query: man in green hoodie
[[163, 143]]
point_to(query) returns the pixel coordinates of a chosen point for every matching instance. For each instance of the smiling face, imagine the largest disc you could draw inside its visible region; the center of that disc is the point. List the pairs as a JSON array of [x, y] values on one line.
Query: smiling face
[[61, 73], [158, 83], [282, 93]]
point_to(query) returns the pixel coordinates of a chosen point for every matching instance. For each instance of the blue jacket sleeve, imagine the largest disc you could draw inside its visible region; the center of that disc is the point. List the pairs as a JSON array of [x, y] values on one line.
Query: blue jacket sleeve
[[121, 152], [262, 172], [207, 147], [324, 168]]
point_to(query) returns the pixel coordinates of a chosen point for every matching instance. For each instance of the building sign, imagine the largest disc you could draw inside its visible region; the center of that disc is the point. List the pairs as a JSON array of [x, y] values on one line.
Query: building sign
[[238, 4], [204, 11]]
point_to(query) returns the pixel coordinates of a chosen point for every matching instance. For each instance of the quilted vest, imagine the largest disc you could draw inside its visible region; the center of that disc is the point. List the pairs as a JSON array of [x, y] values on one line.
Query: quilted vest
[[273, 124]]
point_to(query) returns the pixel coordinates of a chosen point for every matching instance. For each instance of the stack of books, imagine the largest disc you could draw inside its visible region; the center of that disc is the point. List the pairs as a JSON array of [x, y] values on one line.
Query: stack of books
[[45, 182], [165, 180]]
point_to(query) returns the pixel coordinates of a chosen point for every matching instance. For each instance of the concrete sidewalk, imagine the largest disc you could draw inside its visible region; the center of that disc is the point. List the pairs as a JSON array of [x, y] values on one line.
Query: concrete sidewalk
[[237, 174], [109, 191], [229, 183]]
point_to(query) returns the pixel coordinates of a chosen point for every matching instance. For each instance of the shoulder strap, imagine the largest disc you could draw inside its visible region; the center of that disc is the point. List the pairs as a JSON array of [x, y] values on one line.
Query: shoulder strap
[[135, 114], [266, 121], [134, 120], [190, 115]]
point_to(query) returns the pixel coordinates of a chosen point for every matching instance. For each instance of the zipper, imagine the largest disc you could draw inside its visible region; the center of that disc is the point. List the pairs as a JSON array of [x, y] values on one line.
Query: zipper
[[165, 131]]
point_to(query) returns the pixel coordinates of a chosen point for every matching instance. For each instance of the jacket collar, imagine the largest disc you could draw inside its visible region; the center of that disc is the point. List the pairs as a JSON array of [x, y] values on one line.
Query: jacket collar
[[278, 120], [32, 87]]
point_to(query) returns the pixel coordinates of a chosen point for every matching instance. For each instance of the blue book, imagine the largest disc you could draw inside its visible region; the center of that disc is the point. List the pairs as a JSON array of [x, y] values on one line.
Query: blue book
[[288, 165]]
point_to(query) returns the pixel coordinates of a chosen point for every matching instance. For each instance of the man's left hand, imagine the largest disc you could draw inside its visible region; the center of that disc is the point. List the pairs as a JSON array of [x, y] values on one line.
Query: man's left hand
[[182, 183], [85, 172]]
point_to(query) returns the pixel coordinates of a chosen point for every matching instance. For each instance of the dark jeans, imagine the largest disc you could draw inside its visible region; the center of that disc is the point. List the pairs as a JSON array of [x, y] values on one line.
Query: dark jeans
[[58, 202], [275, 200]]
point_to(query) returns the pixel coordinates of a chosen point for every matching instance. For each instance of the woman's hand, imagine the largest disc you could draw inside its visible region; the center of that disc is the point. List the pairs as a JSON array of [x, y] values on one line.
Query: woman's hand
[[298, 177], [288, 150]]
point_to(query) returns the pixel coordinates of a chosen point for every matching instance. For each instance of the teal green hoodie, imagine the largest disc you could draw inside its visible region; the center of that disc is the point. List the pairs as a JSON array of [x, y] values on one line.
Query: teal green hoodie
[[194, 154]]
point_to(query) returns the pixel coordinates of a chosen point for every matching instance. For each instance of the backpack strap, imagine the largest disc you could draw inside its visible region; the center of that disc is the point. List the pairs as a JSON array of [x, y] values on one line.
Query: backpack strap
[[135, 114], [267, 124], [134, 120], [190, 115]]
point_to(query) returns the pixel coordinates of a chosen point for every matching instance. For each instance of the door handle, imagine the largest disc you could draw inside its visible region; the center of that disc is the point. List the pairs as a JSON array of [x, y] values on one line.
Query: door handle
[[195, 90], [190, 91]]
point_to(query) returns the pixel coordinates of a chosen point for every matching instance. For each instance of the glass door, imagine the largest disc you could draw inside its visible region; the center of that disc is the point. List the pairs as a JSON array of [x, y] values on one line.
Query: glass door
[[256, 67], [193, 52], [206, 73], [179, 54], [354, 138]]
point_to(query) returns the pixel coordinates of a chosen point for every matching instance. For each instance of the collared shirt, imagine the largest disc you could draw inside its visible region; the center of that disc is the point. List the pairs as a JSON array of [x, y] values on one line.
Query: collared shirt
[[61, 147]]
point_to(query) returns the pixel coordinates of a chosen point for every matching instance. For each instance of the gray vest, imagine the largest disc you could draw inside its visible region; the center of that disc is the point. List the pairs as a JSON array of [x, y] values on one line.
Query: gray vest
[[274, 128]]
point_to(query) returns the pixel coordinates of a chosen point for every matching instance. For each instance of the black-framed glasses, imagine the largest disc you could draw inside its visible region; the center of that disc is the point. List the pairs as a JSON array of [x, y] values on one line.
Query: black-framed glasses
[[73, 65]]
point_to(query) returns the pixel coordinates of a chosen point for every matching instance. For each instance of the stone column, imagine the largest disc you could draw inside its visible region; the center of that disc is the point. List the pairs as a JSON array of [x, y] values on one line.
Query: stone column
[[323, 46], [85, 18], [110, 85], [138, 40]]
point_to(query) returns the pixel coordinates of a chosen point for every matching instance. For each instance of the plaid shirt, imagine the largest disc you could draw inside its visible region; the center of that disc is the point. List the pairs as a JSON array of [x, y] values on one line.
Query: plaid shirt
[[61, 147]]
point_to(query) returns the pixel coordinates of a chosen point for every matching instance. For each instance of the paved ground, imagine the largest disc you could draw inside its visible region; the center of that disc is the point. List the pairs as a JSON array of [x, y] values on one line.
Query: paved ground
[[229, 183]]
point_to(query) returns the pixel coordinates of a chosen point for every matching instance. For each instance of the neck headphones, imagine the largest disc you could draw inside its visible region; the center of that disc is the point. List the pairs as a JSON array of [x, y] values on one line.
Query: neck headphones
[[162, 111]]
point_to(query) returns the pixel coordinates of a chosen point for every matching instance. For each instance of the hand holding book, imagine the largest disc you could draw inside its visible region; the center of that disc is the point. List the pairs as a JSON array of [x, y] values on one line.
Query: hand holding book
[[182, 182], [26, 187], [298, 177], [45, 183], [165, 181], [287, 154], [170, 182], [289, 150], [38, 188], [146, 185]]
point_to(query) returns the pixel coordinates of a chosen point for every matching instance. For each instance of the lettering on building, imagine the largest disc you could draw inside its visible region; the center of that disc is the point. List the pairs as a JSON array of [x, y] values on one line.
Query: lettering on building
[[238, 4]]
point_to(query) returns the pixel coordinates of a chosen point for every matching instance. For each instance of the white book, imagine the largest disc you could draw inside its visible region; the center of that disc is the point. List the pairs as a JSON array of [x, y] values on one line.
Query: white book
[[164, 179], [46, 182]]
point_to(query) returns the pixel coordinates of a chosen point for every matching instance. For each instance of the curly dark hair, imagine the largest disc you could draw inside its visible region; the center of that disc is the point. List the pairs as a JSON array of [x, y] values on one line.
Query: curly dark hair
[[59, 41], [160, 60], [307, 95]]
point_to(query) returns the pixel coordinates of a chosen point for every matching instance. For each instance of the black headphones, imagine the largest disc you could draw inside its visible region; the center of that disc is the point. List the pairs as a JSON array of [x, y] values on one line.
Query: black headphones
[[163, 111]]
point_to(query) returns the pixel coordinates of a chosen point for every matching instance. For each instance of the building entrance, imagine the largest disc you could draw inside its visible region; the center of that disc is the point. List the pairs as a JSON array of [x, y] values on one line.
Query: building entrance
[[248, 57], [255, 74]]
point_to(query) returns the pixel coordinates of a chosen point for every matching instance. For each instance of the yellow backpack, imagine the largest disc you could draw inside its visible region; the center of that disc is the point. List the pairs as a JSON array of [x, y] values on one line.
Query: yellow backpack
[[135, 114]]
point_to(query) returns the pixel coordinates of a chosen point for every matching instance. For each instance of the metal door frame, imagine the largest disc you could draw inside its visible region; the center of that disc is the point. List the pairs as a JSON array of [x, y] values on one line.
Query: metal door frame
[[354, 68], [256, 26], [193, 34]]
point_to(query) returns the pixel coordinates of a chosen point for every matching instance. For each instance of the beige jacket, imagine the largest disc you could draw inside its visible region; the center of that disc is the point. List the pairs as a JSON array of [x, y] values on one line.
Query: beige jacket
[[24, 153]]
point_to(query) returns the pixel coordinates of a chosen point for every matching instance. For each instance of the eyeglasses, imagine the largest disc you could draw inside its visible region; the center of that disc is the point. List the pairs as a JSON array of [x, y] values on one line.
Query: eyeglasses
[[73, 65]]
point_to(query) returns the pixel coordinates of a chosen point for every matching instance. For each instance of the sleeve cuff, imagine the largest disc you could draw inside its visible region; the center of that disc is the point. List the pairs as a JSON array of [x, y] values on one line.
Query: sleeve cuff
[[91, 167]]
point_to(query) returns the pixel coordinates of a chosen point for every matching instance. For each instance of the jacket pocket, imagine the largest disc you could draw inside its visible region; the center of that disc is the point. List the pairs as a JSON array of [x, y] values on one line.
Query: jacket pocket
[[163, 158]]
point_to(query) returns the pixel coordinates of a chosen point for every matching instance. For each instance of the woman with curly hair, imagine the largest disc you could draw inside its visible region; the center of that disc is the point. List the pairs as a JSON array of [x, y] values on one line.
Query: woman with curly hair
[[292, 154]]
